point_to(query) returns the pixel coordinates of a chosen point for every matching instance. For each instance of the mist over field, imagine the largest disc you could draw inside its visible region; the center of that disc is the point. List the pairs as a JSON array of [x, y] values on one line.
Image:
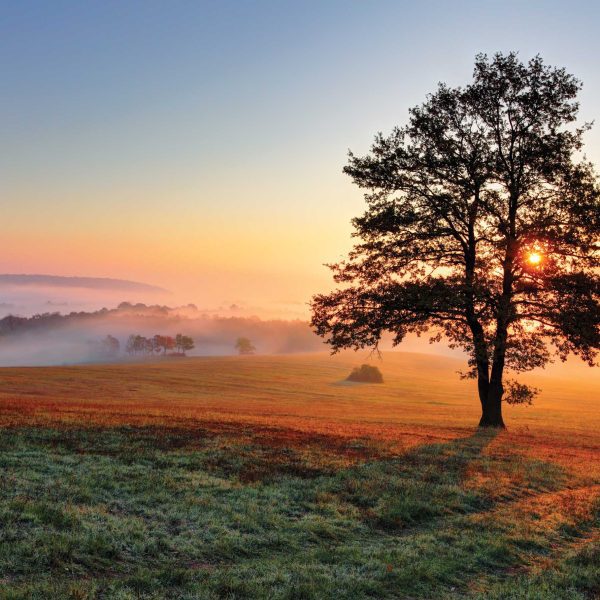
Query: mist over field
[[57, 338], [60, 338], [52, 320]]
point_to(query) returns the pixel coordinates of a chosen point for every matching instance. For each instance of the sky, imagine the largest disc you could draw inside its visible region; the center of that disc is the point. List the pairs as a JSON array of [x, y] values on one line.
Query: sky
[[199, 146]]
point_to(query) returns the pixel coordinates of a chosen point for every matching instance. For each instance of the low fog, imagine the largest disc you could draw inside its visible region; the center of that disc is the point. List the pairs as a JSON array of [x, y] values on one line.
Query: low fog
[[76, 338], [55, 339], [53, 320], [58, 338], [48, 320]]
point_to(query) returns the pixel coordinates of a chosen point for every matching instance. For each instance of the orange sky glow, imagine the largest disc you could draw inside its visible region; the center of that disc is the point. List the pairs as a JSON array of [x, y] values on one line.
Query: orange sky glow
[[202, 150]]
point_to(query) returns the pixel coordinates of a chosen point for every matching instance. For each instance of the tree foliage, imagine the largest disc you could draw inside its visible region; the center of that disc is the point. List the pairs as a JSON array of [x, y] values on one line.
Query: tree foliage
[[244, 346], [184, 343], [482, 227], [111, 345]]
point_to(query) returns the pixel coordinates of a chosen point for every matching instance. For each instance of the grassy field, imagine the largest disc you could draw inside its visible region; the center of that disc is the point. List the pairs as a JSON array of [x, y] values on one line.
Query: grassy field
[[271, 477]]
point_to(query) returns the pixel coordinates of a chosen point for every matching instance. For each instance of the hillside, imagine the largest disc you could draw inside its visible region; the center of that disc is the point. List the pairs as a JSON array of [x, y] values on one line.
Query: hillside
[[96, 283]]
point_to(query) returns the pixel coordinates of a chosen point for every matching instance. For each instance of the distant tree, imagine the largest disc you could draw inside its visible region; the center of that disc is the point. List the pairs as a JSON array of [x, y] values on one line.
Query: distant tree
[[178, 342], [244, 346], [163, 343], [169, 343], [111, 345], [147, 345], [187, 343], [130, 345], [136, 344], [158, 343], [106, 348], [482, 226], [183, 343]]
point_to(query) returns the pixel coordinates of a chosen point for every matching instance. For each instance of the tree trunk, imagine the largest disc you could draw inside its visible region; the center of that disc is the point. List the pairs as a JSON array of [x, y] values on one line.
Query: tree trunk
[[491, 414], [491, 407], [490, 396]]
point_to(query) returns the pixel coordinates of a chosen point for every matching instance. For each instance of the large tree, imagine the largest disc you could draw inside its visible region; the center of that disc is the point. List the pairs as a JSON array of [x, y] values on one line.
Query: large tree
[[482, 227]]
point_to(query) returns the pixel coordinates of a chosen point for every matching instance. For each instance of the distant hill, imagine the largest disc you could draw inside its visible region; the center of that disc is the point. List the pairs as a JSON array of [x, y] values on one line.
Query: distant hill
[[98, 283]]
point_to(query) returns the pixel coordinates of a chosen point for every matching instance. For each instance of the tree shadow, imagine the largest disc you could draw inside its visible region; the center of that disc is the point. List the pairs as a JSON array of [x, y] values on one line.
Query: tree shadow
[[429, 482]]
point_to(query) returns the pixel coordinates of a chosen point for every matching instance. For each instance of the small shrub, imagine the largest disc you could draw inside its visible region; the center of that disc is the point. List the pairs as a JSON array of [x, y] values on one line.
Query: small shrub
[[366, 374]]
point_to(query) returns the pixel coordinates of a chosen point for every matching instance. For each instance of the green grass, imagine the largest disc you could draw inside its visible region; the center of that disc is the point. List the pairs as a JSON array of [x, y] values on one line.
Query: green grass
[[142, 512]]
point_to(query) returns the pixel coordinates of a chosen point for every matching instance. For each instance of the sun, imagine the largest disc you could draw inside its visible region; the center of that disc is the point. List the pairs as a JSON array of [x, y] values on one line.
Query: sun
[[535, 258]]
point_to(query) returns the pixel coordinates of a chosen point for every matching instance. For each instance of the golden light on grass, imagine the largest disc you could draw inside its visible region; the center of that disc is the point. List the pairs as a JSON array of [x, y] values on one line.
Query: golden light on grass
[[271, 425]]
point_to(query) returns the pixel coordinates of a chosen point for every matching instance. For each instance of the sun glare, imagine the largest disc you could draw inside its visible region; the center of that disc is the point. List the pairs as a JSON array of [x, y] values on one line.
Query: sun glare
[[535, 258]]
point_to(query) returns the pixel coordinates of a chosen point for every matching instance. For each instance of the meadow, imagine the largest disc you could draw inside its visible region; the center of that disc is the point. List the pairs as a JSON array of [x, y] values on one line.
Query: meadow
[[272, 477]]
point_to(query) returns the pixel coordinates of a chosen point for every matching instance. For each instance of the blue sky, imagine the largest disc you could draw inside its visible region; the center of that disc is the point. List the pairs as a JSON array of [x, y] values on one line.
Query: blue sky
[[200, 144]]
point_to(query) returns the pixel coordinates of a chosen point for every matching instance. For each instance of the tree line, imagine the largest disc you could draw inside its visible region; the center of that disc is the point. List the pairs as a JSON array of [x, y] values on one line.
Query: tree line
[[139, 344], [110, 347]]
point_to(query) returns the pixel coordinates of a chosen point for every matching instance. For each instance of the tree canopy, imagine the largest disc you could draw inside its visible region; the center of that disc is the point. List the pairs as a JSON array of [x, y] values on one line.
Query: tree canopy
[[482, 227], [244, 346]]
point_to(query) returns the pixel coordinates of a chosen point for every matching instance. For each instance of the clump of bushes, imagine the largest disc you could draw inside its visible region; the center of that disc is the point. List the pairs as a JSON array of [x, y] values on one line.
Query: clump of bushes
[[366, 374]]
